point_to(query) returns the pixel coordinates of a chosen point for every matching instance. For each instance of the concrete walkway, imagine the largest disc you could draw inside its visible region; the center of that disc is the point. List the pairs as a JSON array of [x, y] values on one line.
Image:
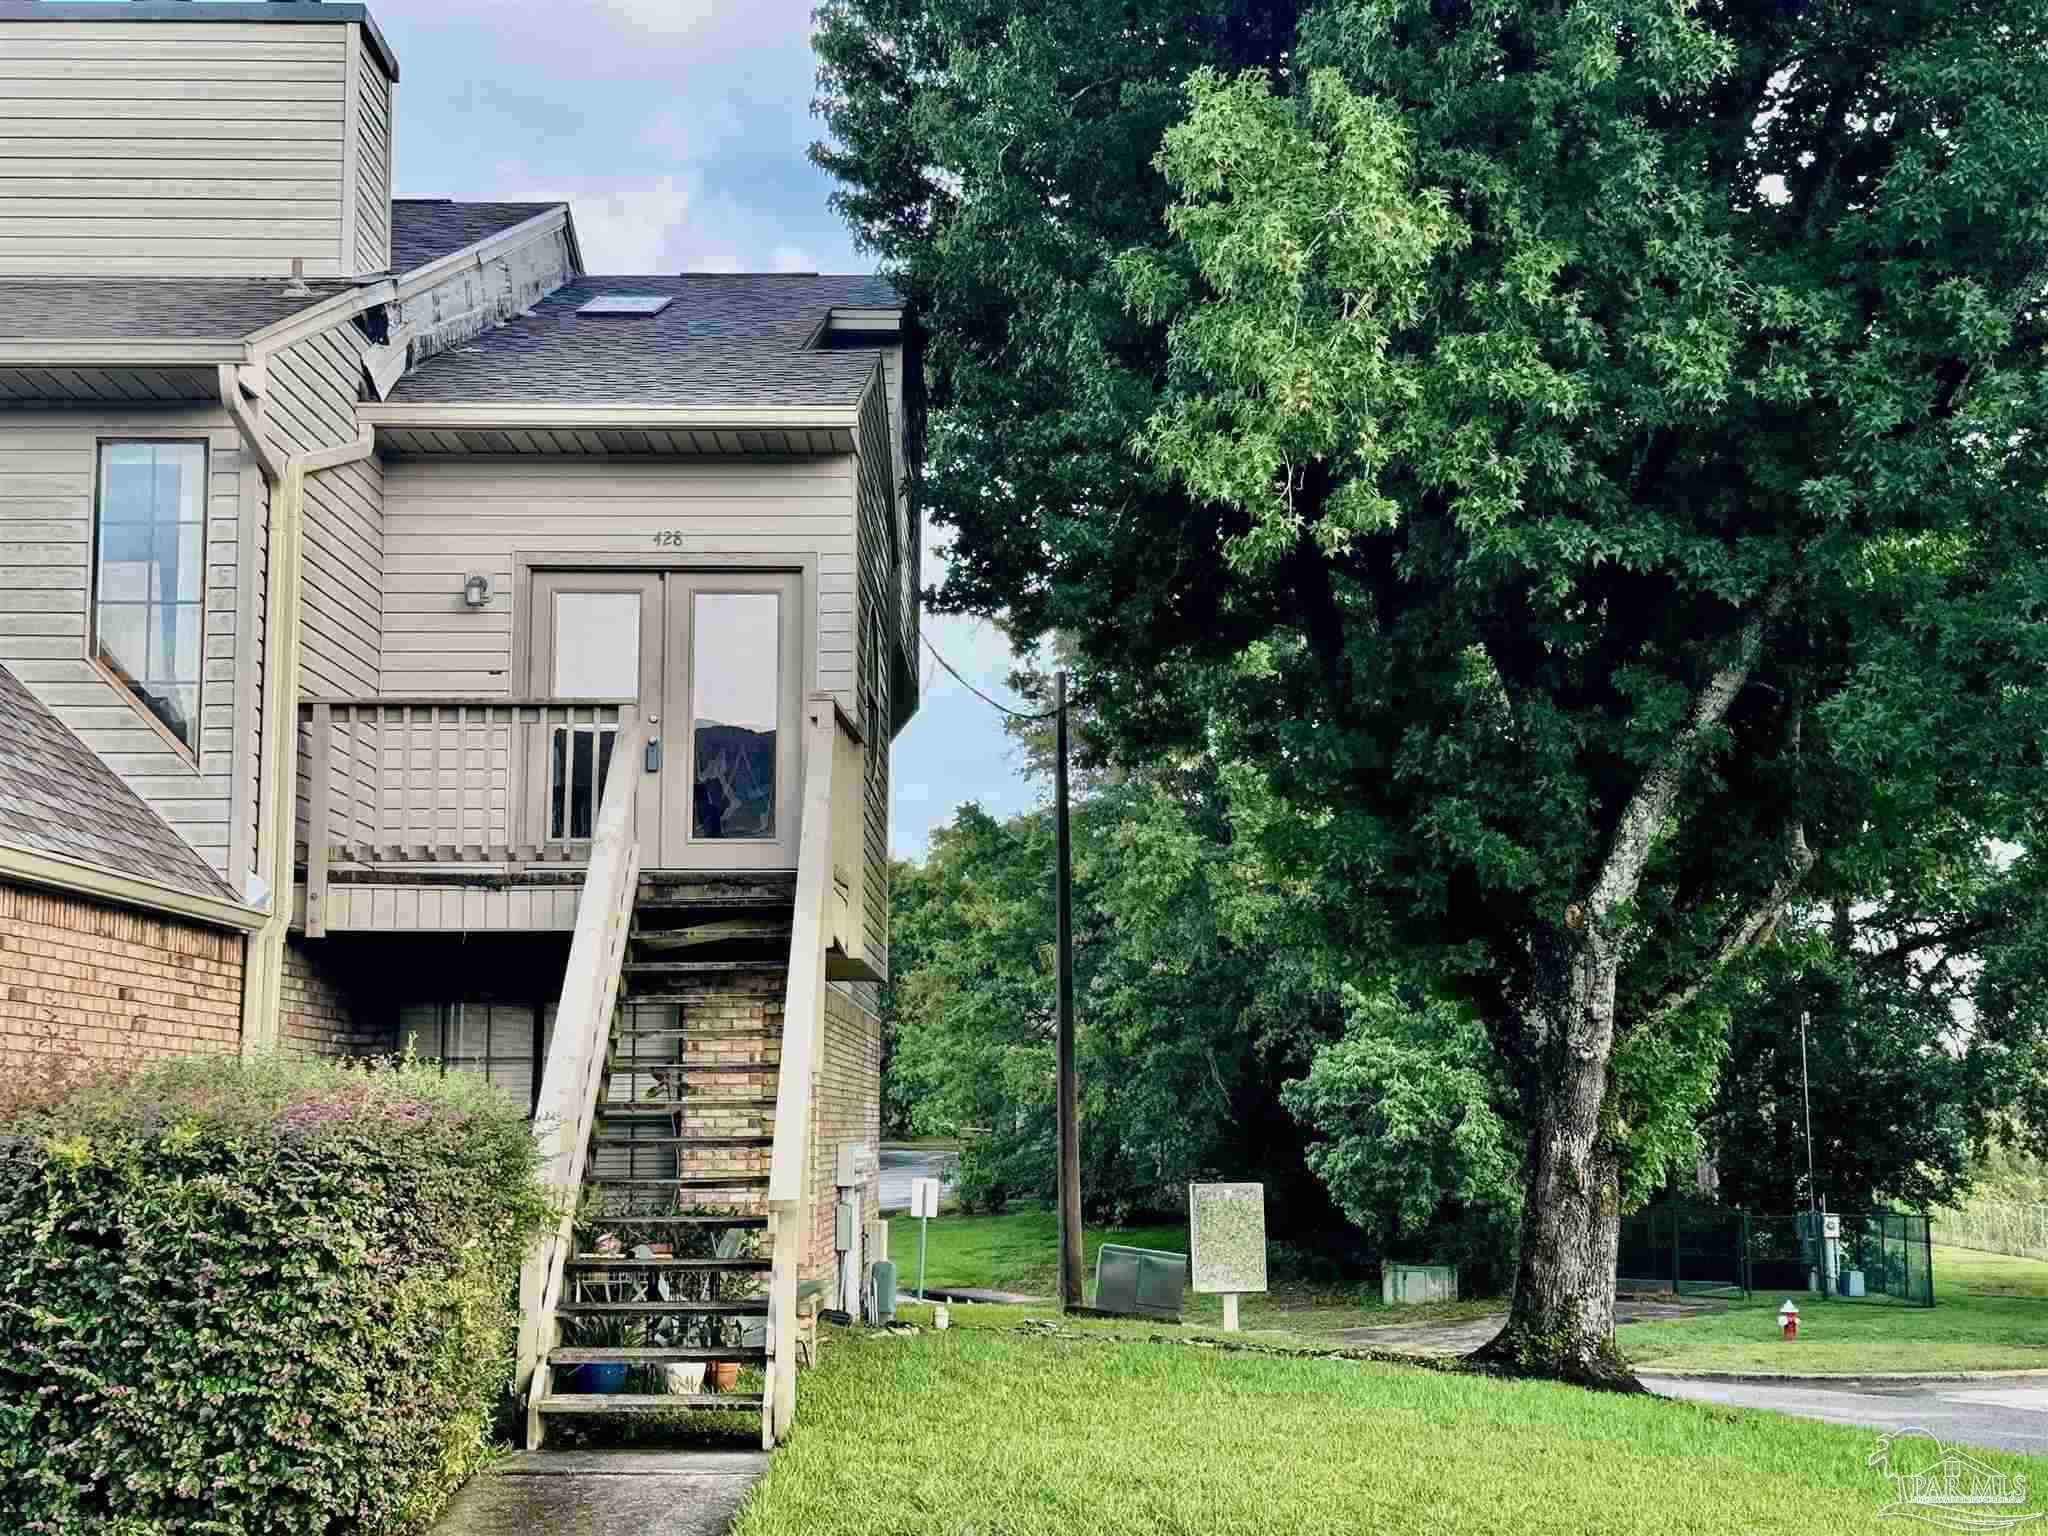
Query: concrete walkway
[[1433, 1339], [606, 1493], [2009, 1417]]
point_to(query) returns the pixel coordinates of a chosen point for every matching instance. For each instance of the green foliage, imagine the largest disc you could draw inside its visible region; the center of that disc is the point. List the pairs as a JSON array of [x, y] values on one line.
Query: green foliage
[[273, 1297], [1419, 406], [1417, 1144], [1189, 1017]]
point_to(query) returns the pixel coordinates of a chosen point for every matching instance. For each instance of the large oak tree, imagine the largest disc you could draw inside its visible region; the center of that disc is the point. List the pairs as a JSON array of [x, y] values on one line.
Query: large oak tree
[[1589, 456]]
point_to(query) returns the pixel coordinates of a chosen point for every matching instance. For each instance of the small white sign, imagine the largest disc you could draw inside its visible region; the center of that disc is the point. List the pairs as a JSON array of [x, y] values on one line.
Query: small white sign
[[1831, 1226], [924, 1197]]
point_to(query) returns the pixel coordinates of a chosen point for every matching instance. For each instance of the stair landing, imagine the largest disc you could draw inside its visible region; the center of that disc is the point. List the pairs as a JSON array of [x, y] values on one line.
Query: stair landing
[[606, 1493]]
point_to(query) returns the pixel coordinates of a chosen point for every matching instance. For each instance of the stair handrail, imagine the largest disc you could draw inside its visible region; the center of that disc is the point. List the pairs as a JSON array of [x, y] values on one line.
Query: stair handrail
[[803, 1023], [573, 1077]]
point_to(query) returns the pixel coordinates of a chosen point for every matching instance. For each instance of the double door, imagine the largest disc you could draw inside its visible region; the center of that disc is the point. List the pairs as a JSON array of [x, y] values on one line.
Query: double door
[[715, 661]]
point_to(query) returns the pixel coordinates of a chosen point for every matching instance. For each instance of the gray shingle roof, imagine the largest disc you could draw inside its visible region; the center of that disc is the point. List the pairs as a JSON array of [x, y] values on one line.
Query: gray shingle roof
[[726, 340], [57, 797], [425, 229], [174, 308]]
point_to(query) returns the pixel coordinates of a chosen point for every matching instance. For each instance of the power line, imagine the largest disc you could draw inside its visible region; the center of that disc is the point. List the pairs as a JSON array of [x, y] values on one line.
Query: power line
[[1017, 714]]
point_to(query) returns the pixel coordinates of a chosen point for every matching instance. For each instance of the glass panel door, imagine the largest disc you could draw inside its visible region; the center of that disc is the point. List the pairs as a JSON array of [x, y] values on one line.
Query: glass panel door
[[739, 640], [597, 635]]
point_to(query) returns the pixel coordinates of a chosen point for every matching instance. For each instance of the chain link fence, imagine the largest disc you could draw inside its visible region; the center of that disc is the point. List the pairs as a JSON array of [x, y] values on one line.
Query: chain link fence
[[1710, 1251], [1996, 1226]]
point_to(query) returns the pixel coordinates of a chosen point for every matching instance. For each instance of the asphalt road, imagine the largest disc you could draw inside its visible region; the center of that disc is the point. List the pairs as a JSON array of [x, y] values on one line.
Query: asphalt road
[[899, 1168], [2006, 1415]]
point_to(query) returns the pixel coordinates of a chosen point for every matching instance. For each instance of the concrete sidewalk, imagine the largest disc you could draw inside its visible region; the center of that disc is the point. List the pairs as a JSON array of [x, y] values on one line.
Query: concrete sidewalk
[[2007, 1417], [606, 1493]]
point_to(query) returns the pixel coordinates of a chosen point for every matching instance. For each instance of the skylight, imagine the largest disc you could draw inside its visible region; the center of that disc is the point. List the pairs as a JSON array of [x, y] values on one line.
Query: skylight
[[627, 304]]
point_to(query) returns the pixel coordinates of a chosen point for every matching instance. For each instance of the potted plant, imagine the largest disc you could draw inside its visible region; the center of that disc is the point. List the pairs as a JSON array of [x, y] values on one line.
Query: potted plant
[[599, 1378]]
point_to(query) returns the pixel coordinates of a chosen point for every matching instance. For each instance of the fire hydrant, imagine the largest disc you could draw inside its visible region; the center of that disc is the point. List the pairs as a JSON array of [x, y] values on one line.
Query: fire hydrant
[[1788, 1320]]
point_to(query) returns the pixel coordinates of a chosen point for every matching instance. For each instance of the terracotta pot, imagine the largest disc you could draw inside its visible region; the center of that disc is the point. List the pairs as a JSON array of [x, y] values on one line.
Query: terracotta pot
[[722, 1375]]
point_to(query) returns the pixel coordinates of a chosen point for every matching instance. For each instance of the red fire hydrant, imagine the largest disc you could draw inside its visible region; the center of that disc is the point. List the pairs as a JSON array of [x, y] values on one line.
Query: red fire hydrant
[[1788, 1320]]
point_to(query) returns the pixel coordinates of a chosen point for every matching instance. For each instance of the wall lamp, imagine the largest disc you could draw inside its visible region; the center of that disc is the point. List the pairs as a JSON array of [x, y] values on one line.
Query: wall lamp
[[476, 591]]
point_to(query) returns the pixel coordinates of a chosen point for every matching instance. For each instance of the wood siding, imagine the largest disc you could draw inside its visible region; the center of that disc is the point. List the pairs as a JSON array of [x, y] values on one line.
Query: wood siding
[[879, 628], [368, 179], [312, 405], [164, 149], [445, 519], [48, 473]]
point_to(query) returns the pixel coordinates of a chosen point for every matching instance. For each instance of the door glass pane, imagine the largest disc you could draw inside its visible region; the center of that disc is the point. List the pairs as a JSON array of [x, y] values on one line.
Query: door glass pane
[[574, 790], [597, 645], [735, 698]]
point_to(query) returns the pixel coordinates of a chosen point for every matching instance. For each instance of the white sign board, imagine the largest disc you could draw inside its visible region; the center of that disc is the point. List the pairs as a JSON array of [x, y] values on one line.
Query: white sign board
[[924, 1197], [1227, 1225]]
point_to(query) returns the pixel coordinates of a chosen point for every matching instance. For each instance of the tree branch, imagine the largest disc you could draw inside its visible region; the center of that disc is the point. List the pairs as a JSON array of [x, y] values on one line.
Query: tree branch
[[1635, 832], [1750, 930]]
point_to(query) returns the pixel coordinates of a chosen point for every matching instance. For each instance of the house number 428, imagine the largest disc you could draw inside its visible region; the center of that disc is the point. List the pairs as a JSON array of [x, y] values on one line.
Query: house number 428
[[669, 537]]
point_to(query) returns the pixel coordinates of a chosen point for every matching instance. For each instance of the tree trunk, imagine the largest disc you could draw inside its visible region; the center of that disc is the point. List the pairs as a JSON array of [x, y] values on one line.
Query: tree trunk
[[1561, 1322]]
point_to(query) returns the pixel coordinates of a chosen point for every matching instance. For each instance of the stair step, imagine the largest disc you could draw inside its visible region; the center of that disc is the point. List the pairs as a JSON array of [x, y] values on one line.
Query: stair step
[[748, 1223], [756, 1307], [688, 1181], [672, 1106], [626, 1069], [585, 1263], [684, 1141], [644, 1402], [723, 931], [654, 1355], [695, 968], [692, 1032]]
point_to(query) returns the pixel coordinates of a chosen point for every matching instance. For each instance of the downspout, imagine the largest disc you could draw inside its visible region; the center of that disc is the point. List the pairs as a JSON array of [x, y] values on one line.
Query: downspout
[[278, 736]]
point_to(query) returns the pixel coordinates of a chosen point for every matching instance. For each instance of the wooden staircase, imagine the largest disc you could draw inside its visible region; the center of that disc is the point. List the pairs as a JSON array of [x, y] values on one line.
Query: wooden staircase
[[676, 1105], [668, 1266]]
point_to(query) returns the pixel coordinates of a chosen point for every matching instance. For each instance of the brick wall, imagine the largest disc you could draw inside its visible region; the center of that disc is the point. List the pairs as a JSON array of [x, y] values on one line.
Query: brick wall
[[846, 1107], [106, 983], [323, 1006]]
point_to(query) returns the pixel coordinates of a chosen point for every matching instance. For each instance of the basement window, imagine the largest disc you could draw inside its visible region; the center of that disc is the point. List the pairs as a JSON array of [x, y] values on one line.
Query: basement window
[[149, 578]]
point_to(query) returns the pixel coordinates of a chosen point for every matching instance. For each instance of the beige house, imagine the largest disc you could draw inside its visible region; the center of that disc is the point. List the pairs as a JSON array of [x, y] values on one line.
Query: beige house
[[466, 652]]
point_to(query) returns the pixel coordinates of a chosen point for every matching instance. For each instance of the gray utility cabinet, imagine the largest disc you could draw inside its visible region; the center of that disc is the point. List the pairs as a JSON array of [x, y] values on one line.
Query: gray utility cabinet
[[1142, 1281], [1417, 1284]]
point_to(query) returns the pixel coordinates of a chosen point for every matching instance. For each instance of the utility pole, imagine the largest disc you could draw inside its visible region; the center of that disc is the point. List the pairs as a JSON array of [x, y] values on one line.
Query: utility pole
[[1806, 1097], [1069, 1100]]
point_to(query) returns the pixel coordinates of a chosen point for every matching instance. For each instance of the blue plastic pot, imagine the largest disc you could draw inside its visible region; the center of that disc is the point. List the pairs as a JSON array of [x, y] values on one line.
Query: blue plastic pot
[[595, 1380]]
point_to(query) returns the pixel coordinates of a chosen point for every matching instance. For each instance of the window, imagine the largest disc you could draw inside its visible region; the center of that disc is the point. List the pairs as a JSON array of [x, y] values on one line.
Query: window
[[499, 1042], [597, 656], [735, 697], [149, 577]]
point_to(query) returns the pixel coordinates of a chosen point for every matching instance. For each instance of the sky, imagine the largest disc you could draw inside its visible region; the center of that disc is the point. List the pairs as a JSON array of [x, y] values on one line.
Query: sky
[[676, 129]]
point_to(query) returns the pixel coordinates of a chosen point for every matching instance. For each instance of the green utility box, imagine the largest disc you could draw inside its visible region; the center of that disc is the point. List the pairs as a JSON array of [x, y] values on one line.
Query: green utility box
[[1143, 1282], [1414, 1284]]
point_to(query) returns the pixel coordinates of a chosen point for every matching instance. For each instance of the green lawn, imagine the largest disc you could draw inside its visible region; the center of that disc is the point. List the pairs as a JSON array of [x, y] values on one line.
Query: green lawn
[[990, 1431], [1019, 1251], [1990, 1313]]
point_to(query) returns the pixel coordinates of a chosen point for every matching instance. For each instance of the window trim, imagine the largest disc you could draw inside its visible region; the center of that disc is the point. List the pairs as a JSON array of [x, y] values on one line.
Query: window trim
[[192, 754]]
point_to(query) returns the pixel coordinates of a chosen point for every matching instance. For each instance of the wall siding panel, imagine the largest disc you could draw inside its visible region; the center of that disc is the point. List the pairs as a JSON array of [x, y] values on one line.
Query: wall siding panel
[[445, 519], [48, 469], [165, 149]]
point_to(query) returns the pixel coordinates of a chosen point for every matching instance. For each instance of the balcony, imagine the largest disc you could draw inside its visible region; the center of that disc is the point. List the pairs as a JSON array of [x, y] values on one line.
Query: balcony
[[449, 814]]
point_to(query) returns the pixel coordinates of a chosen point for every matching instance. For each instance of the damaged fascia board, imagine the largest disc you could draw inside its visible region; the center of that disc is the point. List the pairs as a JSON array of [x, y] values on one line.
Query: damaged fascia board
[[459, 297]]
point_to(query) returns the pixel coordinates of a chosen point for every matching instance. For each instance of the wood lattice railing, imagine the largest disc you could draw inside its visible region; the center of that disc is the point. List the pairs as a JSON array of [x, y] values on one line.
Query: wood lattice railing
[[451, 781]]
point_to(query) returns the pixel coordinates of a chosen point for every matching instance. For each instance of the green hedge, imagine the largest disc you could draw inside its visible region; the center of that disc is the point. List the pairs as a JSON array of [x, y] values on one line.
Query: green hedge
[[275, 1297]]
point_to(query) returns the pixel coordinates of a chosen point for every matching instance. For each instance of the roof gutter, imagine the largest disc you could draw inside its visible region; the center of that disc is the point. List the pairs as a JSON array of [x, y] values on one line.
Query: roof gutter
[[278, 741], [76, 877], [120, 352], [571, 415]]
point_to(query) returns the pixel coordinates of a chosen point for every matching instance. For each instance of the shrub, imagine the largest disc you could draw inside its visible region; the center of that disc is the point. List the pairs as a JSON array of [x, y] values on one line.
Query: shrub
[[274, 1297]]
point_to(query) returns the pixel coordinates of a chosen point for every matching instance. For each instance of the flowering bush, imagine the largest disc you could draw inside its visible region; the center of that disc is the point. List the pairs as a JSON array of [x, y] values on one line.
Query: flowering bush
[[241, 1298]]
